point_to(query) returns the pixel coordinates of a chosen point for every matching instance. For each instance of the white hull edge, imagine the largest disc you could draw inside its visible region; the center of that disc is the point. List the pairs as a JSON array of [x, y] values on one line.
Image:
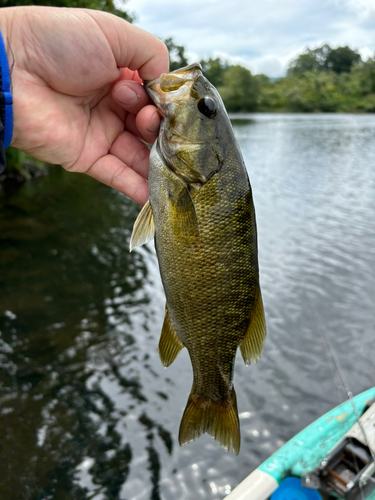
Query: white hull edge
[[257, 486]]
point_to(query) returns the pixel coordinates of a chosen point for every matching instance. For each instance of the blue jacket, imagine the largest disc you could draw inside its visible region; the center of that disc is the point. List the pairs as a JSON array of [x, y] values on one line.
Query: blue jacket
[[6, 101]]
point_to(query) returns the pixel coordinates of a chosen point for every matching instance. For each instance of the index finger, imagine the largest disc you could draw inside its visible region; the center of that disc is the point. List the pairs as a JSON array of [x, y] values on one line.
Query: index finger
[[133, 47]]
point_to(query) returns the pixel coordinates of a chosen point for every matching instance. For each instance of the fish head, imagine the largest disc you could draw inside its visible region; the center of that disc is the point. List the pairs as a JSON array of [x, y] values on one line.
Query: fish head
[[194, 132]]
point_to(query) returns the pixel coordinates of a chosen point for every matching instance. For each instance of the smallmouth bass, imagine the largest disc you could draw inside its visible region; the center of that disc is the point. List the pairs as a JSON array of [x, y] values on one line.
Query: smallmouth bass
[[201, 213]]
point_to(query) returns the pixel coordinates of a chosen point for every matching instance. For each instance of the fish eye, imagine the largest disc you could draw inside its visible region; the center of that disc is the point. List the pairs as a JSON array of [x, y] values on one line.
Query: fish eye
[[207, 107]]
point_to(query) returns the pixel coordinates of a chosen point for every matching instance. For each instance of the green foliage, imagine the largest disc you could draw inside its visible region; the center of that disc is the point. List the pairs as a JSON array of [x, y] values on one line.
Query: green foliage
[[324, 58], [322, 79], [214, 69], [22, 167], [315, 91], [323, 91], [239, 90], [262, 80], [177, 57], [342, 59], [104, 5], [309, 61], [363, 77]]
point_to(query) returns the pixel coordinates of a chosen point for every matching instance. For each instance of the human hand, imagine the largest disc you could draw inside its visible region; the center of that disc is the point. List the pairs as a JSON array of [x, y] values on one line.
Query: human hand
[[72, 76]]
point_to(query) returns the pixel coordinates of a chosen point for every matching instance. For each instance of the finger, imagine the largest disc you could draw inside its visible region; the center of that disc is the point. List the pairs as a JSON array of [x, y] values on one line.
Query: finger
[[131, 126], [131, 151], [144, 125], [148, 123], [130, 95], [133, 47], [128, 74], [111, 171]]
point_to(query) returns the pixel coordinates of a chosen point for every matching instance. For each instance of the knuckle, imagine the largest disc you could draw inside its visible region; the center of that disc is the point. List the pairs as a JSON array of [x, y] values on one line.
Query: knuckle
[[114, 180], [140, 158]]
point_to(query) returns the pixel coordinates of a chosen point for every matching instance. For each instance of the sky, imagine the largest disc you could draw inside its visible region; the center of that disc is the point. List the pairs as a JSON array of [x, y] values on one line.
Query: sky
[[262, 35]]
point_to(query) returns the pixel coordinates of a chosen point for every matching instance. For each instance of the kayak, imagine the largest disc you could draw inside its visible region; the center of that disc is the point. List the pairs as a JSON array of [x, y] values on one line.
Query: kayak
[[331, 458]]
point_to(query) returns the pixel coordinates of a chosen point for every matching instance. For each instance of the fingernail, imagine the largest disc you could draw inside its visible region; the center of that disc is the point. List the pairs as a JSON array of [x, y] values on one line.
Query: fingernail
[[126, 95], [154, 124]]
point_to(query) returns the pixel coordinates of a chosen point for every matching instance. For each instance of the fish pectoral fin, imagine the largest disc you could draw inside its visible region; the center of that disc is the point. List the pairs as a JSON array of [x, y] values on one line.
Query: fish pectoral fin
[[186, 213], [169, 344], [144, 227], [252, 345], [218, 419]]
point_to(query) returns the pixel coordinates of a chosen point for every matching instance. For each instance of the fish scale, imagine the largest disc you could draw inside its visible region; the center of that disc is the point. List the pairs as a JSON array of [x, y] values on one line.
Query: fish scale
[[202, 216]]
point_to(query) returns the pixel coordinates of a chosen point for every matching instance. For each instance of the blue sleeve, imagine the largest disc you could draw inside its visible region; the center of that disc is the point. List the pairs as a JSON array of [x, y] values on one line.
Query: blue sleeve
[[6, 101]]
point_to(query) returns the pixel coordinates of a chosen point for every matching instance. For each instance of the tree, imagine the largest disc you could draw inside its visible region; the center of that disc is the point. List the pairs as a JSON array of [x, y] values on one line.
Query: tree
[[240, 90], [310, 60], [342, 59], [316, 91], [362, 78], [214, 69], [262, 80], [104, 5], [177, 57], [324, 58]]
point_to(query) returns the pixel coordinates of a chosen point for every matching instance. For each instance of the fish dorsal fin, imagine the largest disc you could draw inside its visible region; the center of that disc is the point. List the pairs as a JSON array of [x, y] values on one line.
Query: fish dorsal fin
[[169, 345], [144, 227], [185, 211], [253, 342]]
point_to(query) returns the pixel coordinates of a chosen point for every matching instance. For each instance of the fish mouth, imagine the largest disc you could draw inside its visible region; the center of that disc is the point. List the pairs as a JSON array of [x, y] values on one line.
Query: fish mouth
[[159, 88]]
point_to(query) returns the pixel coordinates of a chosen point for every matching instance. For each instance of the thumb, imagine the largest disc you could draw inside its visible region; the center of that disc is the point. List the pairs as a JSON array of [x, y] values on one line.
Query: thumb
[[133, 47]]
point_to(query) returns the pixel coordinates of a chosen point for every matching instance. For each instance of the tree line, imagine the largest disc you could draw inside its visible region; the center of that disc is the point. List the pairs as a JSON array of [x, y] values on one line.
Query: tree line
[[322, 79]]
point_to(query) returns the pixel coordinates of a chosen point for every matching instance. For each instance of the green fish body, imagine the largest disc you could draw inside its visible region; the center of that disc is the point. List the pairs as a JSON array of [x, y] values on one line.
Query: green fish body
[[201, 213]]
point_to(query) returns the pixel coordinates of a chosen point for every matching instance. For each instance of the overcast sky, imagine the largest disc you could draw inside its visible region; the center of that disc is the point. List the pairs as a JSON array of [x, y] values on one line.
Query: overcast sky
[[263, 35]]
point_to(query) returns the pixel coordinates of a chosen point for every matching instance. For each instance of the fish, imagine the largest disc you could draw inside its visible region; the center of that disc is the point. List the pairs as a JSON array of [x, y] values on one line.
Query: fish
[[201, 213]]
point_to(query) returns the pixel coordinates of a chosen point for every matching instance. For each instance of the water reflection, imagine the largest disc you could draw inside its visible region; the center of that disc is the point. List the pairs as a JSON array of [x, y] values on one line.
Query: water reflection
[[87, 410], [239, 121]]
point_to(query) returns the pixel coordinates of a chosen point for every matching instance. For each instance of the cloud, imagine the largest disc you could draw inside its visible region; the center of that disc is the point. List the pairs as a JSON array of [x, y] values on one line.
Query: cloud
[[271, 66], [264, 35]]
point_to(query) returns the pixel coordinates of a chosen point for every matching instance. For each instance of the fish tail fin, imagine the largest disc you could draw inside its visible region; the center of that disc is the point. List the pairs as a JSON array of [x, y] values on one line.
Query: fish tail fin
[[219, 420]]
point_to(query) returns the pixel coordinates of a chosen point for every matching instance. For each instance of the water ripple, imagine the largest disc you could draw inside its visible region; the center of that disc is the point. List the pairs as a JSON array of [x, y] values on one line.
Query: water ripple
[[88, 411]]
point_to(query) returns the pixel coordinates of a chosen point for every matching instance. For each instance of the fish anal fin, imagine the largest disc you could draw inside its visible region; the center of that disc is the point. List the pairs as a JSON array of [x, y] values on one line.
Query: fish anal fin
[[144, 227], [253, 342], [169, 344], [218, 419]]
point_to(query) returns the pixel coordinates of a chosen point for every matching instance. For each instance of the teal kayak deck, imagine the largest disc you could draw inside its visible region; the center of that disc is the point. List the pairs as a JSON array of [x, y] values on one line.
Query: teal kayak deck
[[307, 449]]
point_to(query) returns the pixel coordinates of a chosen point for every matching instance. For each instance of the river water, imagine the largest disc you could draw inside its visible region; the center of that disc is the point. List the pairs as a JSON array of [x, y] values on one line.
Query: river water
[[88, 412]]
